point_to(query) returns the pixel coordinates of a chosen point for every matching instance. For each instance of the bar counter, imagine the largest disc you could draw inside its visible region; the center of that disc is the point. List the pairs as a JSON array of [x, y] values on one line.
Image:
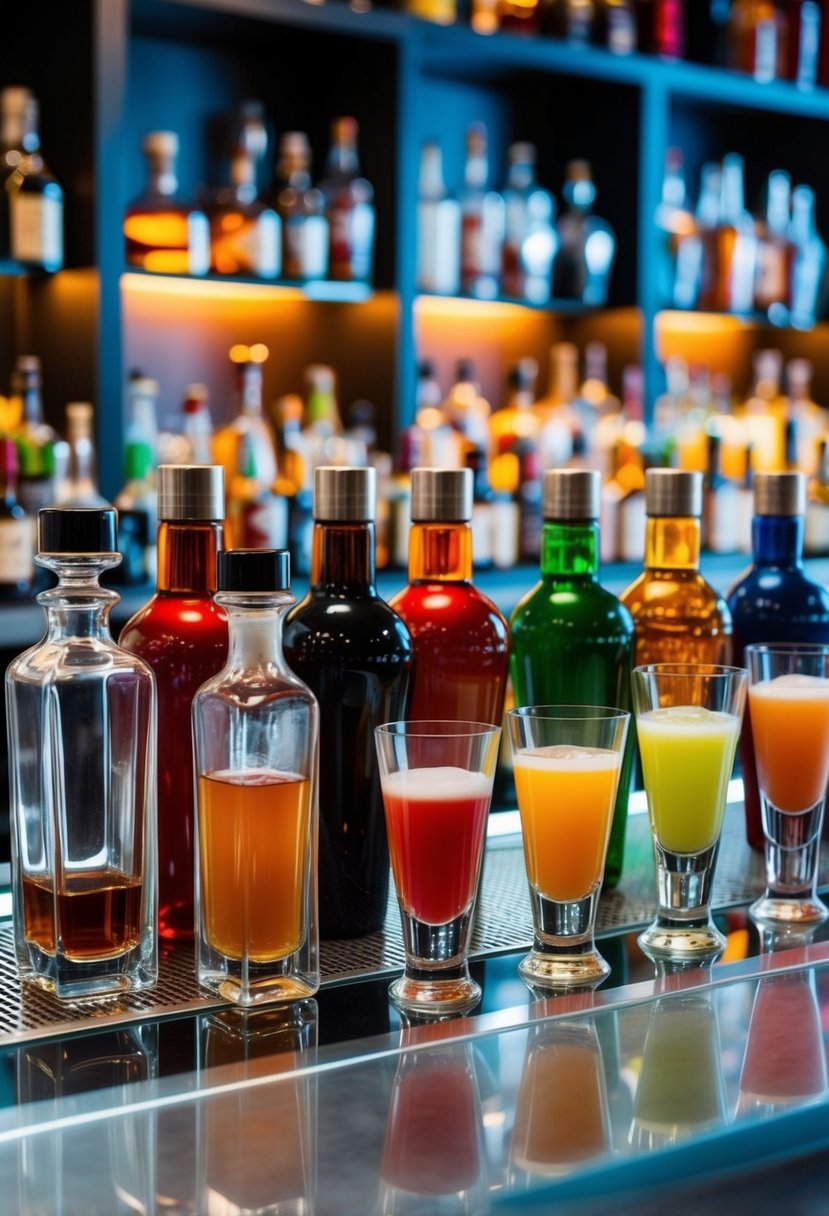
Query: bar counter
[[709, 1081]]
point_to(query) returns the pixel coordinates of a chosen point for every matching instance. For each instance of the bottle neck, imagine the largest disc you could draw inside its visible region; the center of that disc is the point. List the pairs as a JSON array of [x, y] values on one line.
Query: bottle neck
[[343, 556], [254, 627], [672, 542], [440, 552], [187, 553], [78, 607], [569, 548], [777, 540], [162, 175]]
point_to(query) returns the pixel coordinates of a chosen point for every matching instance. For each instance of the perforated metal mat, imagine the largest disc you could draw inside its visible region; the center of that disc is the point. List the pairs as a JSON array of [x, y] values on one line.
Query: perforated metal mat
[[503, 923]]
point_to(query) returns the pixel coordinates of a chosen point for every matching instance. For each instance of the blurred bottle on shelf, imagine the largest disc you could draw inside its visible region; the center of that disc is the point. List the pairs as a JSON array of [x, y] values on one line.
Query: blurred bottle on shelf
[[136, 501], [731, 253], [807, 287], [31, 199], [764, 413], [571, 20], [528, 496], [704, 242], [250, 420], [587, 246], [719, 504], [804, 42], [244, 231], [349, 203], [438, 227], [482, 521], [816, 538], [466, 409], [197, 424], [81, 487], [774, 250], [808, 417], [515, 419], [482, 221], [257, 517], [438, 443], [680, 250], [519, 16], [530, 238], [556, 412], [758, 32], [301, 209], [615, 26], [164, 232], [40, 472], [16, 530], [661, 27]]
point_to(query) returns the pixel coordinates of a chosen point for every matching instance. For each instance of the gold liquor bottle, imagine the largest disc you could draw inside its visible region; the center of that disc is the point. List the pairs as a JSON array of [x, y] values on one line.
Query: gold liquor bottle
[[244, 231], [679, 617], [163, 231]]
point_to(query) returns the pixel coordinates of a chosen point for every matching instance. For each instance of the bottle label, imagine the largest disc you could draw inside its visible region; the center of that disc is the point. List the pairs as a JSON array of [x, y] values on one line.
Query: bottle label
[[16, 550], [438, 247], [621, 31], [352, 239], [198, 241], [315, 247], [37, 229]]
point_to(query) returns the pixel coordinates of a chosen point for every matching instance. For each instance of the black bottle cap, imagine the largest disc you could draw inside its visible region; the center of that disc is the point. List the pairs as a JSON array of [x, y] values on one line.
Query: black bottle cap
[[77, 530], [254, 570]]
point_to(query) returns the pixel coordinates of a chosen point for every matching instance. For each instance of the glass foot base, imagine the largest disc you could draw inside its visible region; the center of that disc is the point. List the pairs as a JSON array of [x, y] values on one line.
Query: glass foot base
[[776, 910], [699, 940], [265, 992], [545, 970], [457, 994]]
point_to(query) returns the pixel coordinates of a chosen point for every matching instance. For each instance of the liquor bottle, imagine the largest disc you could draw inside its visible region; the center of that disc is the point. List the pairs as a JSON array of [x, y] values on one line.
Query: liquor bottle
[[530, 238], [137, 499], [809, 419], [679, 617], [438, 227], [163, 231], [81, 487], [244, 231], [515, 419], [528, 495], [482, 221], [757, 39], [680, 250], [774, 251], [719, 503], [301, 208], [587, 244], [804, 42], [572, 640], [706, 219], [572, 20], [731, 285], [31, 200], [816, 538], [349, 202], [807, 284], [483, 506], [16, 533], [250, 420], [182, 634], [81, 720], [765, 412], [519, 17], [357, 657], [36, 440], [256, 752], [615, 26], [774, 600], [257, 517], [197, 424], [661, 27], [461, 641]]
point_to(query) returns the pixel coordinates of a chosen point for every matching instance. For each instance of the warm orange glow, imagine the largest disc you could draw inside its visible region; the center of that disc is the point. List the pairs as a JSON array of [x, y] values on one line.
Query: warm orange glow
[[240, 352], [163, 285], [453, 307]]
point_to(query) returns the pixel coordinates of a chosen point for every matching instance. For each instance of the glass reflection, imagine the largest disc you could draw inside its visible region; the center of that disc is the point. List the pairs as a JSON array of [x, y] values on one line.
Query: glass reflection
[[561, 1113], [433, 1155], [680, 1090], [62, 1172], [257, 1143], [785, 1060]]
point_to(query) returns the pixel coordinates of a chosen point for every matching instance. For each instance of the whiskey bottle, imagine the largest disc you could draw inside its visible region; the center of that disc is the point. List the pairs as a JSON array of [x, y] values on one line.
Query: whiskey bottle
[[164, 232], [31, 200], [244, 231], [530, 239], [16, 534], [349, 202], [301, 209], [482, 221], [438, 227]]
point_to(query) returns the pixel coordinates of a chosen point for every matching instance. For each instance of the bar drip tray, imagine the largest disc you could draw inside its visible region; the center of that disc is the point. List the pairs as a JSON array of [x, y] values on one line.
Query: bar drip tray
[[502, 924]]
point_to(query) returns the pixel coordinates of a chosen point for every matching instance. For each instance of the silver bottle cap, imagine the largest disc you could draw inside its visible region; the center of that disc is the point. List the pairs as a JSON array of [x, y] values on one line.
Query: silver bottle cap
[[191, 491], [441, 495], [571, 494], [673, 492], [779, 494], [344, 494]]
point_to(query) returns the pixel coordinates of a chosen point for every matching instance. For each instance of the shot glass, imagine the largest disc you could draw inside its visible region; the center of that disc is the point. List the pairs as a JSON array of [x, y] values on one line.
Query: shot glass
[[788, 699], [688, 718], [566, 763], [436, 779]]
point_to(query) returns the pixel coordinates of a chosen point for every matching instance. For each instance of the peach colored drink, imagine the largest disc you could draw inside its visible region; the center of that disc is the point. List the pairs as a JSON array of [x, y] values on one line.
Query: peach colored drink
[[790, 726], [566, 796]]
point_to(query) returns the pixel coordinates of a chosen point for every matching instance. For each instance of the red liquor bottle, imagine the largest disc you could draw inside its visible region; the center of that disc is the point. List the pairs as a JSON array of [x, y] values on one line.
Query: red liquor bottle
[[461, 640], [182, 635]]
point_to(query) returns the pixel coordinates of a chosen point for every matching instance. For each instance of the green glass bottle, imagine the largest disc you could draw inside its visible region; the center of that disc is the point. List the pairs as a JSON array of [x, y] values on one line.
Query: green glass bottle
[[572, 641]]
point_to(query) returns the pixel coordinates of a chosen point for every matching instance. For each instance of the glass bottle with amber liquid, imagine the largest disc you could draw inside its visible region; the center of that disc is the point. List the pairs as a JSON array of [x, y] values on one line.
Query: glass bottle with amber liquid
[[678, 616], [356, 655], [163, 231], [81, 727], [182, 634], [461, 640], [255, 731], [244, 231], [572, 641]]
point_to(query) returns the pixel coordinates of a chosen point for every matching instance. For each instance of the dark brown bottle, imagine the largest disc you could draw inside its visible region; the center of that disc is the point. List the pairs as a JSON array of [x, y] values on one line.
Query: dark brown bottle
[[357, 657]]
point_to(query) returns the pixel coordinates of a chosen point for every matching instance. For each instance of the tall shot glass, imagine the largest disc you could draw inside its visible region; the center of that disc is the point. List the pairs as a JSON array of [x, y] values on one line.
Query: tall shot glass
[[566, 762], [788, 699], [688, 718], [436, 779]]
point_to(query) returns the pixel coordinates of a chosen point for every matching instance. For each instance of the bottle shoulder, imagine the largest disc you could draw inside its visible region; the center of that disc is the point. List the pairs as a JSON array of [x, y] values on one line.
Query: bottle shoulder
[[440, 607], [318, 625], [773, 592], [179, 623], [574, 603], [77, 658]]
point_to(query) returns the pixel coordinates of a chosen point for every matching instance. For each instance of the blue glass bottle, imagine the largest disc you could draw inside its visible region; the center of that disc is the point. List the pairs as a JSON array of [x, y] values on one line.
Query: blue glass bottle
[[774, 600]]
